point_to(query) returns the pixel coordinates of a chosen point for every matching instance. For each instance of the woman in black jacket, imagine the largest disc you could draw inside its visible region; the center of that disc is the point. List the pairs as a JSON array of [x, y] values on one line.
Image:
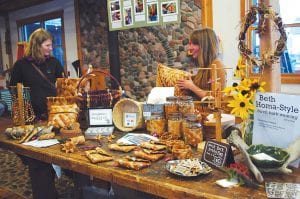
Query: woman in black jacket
[[38, 69]]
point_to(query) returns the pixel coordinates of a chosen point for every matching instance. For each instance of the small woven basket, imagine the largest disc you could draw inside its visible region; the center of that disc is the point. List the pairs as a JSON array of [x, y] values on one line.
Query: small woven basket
[[130, 106]]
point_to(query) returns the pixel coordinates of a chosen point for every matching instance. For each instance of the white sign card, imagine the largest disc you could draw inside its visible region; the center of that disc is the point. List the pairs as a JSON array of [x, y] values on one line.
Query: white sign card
[[282, 190], [129, 119], [276, 119], [99, 117]]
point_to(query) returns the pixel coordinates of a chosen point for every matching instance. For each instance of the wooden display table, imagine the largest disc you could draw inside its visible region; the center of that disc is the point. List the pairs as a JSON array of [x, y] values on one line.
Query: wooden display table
[[155, 179]]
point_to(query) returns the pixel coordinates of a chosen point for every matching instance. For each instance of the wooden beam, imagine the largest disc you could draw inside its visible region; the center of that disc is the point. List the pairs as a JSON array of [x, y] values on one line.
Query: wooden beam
[[207, 13], [271, 73]]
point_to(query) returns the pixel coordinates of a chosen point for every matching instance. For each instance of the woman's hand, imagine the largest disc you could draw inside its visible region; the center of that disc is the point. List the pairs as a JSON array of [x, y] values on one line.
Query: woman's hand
[[189, 85], [185, 83]]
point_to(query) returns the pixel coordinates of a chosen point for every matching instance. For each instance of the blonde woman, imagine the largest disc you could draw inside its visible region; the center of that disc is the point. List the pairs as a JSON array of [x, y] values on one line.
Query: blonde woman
[[38, 69], [204, 48]]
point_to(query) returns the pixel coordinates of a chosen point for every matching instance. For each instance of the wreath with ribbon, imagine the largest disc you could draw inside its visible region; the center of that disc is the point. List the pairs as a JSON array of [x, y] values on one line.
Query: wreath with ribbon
[[263, 12]]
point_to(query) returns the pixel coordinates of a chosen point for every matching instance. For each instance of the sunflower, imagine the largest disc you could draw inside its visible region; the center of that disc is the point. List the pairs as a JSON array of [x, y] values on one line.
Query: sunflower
[[246, 83], [229, 89], [242, 106], [257, 86], [240, 70]]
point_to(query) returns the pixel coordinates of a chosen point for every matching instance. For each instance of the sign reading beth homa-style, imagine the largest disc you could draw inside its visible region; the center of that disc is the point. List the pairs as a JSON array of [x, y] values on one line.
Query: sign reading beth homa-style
[[276, 119]]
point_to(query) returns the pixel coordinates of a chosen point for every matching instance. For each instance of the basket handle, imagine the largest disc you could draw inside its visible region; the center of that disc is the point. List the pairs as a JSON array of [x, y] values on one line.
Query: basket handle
[[95, 71]]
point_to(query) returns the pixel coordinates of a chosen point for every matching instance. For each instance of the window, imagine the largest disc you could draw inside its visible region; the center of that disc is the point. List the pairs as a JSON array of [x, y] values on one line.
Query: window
[[290, 59], [53, 22]]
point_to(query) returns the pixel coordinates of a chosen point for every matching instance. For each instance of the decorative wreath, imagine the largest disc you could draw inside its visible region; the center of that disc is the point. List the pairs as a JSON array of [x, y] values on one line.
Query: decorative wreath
[[263, 12]]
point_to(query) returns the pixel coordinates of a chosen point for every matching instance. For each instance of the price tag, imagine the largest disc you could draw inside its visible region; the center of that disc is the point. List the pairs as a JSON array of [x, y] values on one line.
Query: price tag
[[217, 154], [129, 119]]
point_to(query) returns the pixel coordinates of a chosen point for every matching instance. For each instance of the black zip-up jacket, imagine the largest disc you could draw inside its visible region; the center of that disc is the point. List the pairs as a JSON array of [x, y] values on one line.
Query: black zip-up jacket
[[40, 89]]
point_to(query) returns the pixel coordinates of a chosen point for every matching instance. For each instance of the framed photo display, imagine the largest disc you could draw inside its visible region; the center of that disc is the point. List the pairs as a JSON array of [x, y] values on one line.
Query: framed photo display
[[126, 14]]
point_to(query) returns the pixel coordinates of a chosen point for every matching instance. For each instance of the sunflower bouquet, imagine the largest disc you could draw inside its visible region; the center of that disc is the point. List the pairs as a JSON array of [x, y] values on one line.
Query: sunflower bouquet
[[243, 93]]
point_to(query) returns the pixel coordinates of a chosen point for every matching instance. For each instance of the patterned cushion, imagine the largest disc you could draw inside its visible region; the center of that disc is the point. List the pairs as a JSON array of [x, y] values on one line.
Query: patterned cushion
[[167, 77]]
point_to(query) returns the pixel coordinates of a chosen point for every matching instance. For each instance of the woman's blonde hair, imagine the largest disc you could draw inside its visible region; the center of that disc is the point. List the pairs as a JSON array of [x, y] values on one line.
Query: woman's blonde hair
[[208, 51], [35, 44]]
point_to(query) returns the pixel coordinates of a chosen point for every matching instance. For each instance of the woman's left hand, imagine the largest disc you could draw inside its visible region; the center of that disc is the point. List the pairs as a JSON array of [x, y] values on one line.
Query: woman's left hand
[[185, 83]]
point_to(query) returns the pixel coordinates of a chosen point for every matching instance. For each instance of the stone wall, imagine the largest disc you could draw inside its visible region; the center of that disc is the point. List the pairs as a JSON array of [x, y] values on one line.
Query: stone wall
[[140, 49]]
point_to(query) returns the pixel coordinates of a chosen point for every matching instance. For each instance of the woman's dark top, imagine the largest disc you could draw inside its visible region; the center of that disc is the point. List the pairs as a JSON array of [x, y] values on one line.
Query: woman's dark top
[[24, 72]]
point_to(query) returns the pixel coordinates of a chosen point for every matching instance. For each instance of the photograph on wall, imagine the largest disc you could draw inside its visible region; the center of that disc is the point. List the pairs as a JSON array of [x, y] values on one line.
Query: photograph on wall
[[152, 13], [115, 12], [168, 8], [169, 11], [128, 16], [139, 8], [114, 5], [116, 16]]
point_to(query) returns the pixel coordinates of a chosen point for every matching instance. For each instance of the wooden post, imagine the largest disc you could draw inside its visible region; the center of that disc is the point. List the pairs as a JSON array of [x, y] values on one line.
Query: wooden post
[[271, 73], [216, 89]]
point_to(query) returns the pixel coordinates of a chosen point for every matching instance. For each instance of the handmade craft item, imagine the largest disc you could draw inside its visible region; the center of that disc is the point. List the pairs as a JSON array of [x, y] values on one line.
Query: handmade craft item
[[133, 163], [22, 111], [63, 116], [67, 86], [98, 155], [263, 12], [147, 155], [99, 97], [122, 148], [153, 146], [168, 77]]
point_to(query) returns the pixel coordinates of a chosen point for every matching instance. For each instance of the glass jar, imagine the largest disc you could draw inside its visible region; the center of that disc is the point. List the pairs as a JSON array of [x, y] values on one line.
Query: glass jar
[[174, 124], [193, 134], [171, 105], [185, 119], [186, 105], [156, 124]]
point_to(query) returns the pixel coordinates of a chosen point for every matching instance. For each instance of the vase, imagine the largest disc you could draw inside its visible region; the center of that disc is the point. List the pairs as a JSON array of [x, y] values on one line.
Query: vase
[[248, 130]]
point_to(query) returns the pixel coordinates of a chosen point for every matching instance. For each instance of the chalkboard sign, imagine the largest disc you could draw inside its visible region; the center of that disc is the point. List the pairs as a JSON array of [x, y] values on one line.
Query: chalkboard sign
[[217, 154]]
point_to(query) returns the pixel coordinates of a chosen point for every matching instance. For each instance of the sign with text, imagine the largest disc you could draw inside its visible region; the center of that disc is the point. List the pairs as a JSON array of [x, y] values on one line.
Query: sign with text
[[129, 119], [148, 109], [99, 117], [125, 14], [217, 154], [282, 190], [276, 119]]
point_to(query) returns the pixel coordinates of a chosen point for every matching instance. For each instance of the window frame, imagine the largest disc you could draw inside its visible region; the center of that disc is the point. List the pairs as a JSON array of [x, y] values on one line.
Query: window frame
[[42, 18], [286, 78]]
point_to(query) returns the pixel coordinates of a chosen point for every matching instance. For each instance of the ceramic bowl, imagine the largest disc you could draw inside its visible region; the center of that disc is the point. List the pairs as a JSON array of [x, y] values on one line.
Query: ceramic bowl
[[267, 156]]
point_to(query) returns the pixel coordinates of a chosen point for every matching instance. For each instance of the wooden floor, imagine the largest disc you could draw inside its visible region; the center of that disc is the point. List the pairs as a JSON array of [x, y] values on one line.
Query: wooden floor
[[7, 194]]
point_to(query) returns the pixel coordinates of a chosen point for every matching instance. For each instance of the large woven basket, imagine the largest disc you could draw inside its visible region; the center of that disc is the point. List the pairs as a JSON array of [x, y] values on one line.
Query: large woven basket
[[95, 95], [129, 106]]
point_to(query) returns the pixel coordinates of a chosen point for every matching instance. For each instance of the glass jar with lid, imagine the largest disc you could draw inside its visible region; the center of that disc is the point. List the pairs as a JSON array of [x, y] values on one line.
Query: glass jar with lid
[[186, 104], [185, 118], [174, 124], [171, 105], [156, 124], [193, 134]]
